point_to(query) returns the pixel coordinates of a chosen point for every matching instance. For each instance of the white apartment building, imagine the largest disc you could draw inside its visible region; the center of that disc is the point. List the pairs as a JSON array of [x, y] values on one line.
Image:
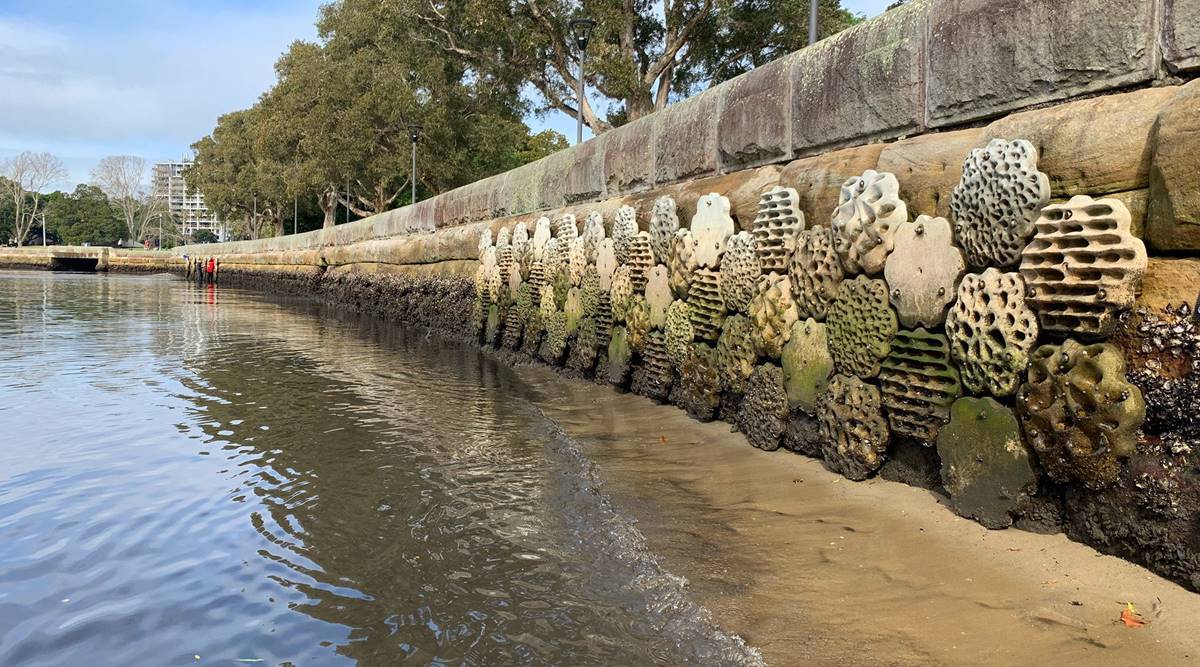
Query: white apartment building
[[190, 210]]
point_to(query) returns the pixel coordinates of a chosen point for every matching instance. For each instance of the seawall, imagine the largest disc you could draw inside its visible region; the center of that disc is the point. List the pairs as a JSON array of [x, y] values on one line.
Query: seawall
[[955, 246], [90, 258]]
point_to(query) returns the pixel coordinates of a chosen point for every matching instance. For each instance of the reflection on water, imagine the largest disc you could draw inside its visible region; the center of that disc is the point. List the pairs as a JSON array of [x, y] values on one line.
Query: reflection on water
[[187, 471]]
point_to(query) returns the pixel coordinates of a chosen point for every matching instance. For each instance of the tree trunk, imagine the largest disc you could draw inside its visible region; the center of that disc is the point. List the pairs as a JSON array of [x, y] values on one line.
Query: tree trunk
[[328, 203]]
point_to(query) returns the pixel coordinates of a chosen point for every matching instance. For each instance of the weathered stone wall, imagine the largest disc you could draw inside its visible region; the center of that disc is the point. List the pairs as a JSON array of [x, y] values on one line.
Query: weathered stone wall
[[126, 260]]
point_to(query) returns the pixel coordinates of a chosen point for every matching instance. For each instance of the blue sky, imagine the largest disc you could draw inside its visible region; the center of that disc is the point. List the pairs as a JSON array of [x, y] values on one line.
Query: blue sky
[[84, 79]]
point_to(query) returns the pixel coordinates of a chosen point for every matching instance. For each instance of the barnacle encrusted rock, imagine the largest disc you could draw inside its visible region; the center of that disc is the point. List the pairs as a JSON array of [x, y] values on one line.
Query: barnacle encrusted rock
[[619, 355], [637, 322], [991, 331], [553, 258], [869, 214], [562, 283], [1079, 412], [593, 234], [624, 229], [523, 302], [606, 263], [705, 305], [478, 315], [577, 261], [854, 434], [653, 377], [683, 262], [996, 202], [621, 293], [711, 227], [763, 413], [1083, 267], [514, 280], [664, 222], [740, 272], [776, 227], [532, 335], [641, 260], [541, 236], [565, 229], [658, 295], [495, 285], [985, 466], [699, 387], [736, 354], [582, 356], [547, 304], [807, 364], [919, 384], [573, 309], [678, 332], [773, 313], [861, 326], [589, 291], [816, 272], [923, 271], [554, 345]]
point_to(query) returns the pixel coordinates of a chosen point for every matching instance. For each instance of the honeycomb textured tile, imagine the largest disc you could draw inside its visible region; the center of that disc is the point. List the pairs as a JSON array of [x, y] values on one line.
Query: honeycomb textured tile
[[869, 214], [577, 261], [621, 293], [554, 344], [923, 271], [522, 248], [653, 377], [986, 468], [700, 383], [1080, 412], [593, 234], [773, 313], [658, 295], [503, 238], [736, 353], [513, 327], [573, 308], [996, 202], [683, 262], [919, 384], [740, 272], [816, 272], [582, 357], [624, 229], [991, 332], [711, 228], [565, 230], [854, 434], [776, 227], [678, 332], [1083, 267], [807, 365], [637, 322], [705, 304], [641, 260], [606, 263], [619, 356], [541, 236], [763, 412], [861, 326], [664, 223]]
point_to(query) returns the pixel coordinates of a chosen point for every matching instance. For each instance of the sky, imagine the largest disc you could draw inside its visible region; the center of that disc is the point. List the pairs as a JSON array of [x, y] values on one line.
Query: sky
[[83, 79]]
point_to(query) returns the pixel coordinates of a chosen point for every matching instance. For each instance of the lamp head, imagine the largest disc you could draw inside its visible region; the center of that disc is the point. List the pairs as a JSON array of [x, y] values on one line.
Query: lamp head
[[414, 131], [581, 30]]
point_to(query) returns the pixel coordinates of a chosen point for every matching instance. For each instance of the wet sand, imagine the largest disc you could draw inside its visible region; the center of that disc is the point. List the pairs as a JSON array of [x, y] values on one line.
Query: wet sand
[[808, 566]]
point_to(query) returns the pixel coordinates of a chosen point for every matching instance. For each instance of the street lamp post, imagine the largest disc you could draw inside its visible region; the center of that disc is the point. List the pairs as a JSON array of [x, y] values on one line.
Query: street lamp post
[[812, 22], [254, 218], [43, 230], [414, 133], [295, 214], [581, 30]]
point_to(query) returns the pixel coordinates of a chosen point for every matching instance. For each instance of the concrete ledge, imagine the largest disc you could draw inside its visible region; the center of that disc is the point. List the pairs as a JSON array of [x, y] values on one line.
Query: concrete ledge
[[1181, 35], [987, 57], [862, 84]]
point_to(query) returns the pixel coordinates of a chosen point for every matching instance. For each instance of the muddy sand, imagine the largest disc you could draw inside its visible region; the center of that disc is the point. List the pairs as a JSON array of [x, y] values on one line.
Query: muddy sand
[[810, 567]]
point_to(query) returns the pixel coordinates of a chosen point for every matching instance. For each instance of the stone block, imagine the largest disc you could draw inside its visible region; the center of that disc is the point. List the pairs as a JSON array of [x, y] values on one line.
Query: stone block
[[1173, 211], [743, 189], [818, 179], [685, 138], [1170, 281], [1181, 35], [986, 57], [520, 190], [863, 83], [629, 156], [1093, 146], [755, 126], [585, 172], [928, 167]]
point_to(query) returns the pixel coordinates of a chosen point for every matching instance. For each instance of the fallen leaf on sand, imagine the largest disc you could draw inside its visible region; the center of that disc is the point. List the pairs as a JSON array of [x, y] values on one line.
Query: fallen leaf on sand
[[662, 439], [1130, 616]]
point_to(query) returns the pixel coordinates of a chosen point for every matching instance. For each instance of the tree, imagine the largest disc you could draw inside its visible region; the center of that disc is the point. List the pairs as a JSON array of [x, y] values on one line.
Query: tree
[[123, 179], [25, 176], [204, 236], [84, 216], [229, 169], [641, 56]]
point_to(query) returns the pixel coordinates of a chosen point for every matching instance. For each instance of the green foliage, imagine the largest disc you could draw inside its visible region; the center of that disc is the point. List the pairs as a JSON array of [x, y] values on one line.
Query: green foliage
[[84, 216], [203, 236]]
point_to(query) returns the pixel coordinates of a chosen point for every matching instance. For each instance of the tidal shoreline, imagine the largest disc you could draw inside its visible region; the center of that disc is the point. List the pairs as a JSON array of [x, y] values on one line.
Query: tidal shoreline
[[806, 565]]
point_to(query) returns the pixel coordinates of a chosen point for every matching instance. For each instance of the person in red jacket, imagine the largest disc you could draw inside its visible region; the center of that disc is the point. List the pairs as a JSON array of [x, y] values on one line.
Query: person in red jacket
[[212, 268]]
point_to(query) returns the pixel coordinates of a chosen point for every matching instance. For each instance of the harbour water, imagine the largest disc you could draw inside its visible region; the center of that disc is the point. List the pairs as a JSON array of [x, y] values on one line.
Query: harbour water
[[198, 475]]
